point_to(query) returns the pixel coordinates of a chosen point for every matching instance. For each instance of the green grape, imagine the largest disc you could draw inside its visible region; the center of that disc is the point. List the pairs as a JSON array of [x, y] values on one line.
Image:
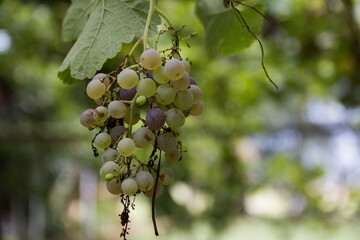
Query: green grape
[[175, 118], [109, 167], [159, 75], [126, 147], [173, 156], [174, 69], [146, 87], [109, 177], [165, 94], [159, 190], [184, 99], [101, 114], [117, 109], [102, 140], [114, 187], [110, 154], [197, 109], [197, 93], [145, 181], [127, 79], [186, 65], [143, 137], [150, 59], [129, 186], [167, 142], [166, 176], [183, 83], [140, 100], [136, 115], [95, 89]]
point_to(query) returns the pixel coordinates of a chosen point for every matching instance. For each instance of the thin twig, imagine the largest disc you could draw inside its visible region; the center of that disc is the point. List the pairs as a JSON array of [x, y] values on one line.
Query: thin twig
[[154, 196]]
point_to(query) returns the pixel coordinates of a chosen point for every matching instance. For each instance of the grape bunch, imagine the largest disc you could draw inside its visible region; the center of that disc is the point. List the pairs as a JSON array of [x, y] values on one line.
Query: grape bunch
[[155, 96]]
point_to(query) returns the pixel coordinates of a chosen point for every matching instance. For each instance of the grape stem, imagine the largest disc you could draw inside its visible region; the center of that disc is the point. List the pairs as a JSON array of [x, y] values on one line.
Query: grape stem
[[154, 196], [133, 49], [132, 107], [147, 25], [164, 16]]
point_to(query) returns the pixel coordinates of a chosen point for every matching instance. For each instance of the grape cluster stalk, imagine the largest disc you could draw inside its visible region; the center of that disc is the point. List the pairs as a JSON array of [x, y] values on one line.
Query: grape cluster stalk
[[139, 106]]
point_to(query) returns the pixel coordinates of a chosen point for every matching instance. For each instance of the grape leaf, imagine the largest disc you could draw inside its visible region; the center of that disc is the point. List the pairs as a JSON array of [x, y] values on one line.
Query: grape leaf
[[223, 30], [102, 26]]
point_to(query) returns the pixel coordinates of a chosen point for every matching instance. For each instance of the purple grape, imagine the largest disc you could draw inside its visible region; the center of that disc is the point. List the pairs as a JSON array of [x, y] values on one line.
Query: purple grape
[[127, 94], [87, 118], [149, 75], [155, 118], [192, 81], [116, 132], [113, 122]]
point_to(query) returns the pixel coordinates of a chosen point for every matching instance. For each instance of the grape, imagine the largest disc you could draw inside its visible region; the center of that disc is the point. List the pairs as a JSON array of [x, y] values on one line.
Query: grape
[[166, 142], [159, 75], [174, 69], [150, 59], [145, 181], [126, 147], [99, 76], [146, 87], [109, 177], [175, 118], [102, 140], [192, 81], [127, 79], [148, 74], [95, 89], [109, 155], [109, 167], [183, 83], [184, 99], [99, 101], [197, 109], [116, 132], [141, 100], [159, 190], [173, 156], [197, 93], [117, 109], [87, 118], [101, 114], [186, 65], [127, 94], [155, 119], [129, 186], [143, 137], [166, 176], [114, 187], [165, 94], [136, 115]]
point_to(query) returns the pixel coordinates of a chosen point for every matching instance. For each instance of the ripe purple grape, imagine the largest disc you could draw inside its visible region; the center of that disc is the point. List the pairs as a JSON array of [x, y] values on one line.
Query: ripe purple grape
[[127, 94], [155, 119]]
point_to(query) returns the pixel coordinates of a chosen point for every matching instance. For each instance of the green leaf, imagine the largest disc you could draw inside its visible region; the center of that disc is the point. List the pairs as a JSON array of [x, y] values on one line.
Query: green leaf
[[223, 30], [104, 25]]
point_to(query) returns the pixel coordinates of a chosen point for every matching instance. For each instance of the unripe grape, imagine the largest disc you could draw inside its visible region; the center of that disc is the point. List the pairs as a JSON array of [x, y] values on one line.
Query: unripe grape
[[165, 94], [197, 109], [129, 186], [172, 156], [174, 69], [183, 83], [114, 187], [143, 137], [155, 119], [126, 146], [127, 78], [175, 118], [166, 142], [145, 181], [159, 190], [95, 89], [184, 99], [159, 75], [146, 87], [166, 176], [136, 116], [197, 93], [186, 65], [140, 100], [101, 114], [109, 155], [127, 94], [116, 133], [150, 59], [109, 167], [87, 118], [117, 109], [102, 140], [109, 177]]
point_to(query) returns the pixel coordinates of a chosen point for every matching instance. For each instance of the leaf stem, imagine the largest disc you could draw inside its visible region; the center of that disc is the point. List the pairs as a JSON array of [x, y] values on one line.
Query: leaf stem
[[147, 25], [164, 16]]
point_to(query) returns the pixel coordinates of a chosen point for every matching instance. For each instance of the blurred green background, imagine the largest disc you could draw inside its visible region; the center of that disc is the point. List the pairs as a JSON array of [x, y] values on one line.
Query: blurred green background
[[260, 163]]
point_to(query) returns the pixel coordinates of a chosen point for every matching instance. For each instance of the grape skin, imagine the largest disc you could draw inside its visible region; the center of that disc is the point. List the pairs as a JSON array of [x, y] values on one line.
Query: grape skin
[[197, 93], [117, 109], [186, 65], [159, 75], [175, 118], [109, 167], [150, 59], [144, 180], [127, 79], [166, 176], [184, 99], [143, 137], [159, 190], [165, 94], [146, 87], [114, 187], [141, 100], [87, 118], [127, 94], [193, 81], [173, 156], [102, 140], [155, 119], [197, 109], [101, 114], [126, 147], [174, 69], [95, 89], [116, 132], [183, 83], [166, 142], [129, 186], [109, 155]]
